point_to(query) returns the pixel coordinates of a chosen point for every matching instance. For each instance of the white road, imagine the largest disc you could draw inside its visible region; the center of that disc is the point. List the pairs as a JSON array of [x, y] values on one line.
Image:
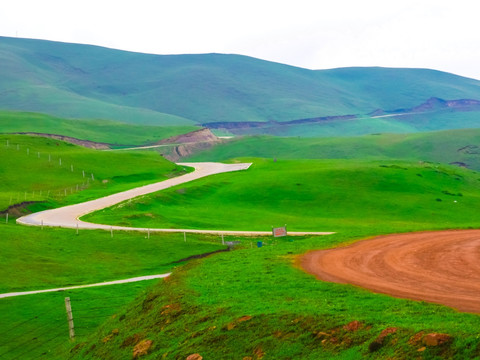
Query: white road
[[124, 281], [68, 216]]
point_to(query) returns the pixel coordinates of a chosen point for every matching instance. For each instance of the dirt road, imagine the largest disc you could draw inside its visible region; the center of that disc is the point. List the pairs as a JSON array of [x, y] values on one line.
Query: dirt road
[[68, 216], [441, 267]]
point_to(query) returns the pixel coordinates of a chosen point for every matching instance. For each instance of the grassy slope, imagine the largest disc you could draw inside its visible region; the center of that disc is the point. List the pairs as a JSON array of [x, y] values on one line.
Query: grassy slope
[[106, 131], [440, 146], [32, 258], [431, 121], [84, 81], [51, 181], [202, 308], [36, 77], [322, 195]]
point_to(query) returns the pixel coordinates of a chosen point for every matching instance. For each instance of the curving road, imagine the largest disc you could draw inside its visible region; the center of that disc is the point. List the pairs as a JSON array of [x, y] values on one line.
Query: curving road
[[440, 267], [68, 216]]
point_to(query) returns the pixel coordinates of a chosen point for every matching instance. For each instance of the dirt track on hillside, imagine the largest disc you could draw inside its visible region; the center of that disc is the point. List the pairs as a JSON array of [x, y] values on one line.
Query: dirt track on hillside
[[441, 267]]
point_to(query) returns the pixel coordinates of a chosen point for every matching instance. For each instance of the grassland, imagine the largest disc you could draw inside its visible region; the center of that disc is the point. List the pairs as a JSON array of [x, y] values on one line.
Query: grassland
[[55, 172], [80, 81], [34, 326], [365, 125], [321, 195], [256, 302], [250, 302], [34, 259], [105, 131], [447, 146]]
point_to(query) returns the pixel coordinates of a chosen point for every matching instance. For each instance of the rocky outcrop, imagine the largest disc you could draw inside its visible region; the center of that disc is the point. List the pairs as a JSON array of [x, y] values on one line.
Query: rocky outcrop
[[187, 144]]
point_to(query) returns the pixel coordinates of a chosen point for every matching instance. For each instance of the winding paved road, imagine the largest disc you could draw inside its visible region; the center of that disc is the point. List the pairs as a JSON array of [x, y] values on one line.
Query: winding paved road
[[68, 216], [441, 267]]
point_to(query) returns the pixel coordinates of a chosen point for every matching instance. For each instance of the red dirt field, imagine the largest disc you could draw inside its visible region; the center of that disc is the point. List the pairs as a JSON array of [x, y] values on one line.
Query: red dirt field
[[441, 267]]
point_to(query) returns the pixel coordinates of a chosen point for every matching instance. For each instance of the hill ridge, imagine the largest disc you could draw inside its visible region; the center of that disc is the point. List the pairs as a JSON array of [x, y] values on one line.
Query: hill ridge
[[87, 81]]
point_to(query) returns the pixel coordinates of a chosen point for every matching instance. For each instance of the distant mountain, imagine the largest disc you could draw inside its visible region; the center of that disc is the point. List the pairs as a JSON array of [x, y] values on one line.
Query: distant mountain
[[82, 81]]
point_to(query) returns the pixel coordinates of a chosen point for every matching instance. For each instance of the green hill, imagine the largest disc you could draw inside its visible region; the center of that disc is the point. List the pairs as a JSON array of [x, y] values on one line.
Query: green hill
[[104, 131], [81, 81], [256, 301], [311, 195], [54, 172], [448, 146]]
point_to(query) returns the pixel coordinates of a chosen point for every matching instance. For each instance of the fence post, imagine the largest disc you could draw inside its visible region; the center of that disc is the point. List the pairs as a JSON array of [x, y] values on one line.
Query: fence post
[[71, 328]]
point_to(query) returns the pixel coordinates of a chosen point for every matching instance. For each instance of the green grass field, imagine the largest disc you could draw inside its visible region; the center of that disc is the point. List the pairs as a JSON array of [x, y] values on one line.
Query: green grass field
[[105, 131], [81, 81], [32, 258], [256, 302], [321, 195], [438, 146], [252, 302], [39, 169], [35, 259]]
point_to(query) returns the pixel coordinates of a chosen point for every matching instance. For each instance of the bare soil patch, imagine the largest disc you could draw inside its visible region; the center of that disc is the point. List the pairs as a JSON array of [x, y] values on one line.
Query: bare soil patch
[[440, 267]]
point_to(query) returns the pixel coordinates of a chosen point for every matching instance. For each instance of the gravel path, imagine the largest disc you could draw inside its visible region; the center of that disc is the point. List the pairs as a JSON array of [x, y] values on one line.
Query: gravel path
[[68, 216]]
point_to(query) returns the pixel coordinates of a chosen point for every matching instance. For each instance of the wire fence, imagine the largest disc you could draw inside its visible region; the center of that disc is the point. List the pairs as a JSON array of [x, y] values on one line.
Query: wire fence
[[83, 178]]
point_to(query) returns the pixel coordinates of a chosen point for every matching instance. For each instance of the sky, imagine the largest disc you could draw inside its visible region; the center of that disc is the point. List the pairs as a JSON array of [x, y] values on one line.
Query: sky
[[321, 34]]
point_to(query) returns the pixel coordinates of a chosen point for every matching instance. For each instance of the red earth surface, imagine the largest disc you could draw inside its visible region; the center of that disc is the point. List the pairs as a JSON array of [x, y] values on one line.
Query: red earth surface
[[440, 267]]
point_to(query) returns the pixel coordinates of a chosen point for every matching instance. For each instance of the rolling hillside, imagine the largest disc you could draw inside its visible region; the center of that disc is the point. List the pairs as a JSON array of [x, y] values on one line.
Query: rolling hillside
[[103, 131], [459, 147], [82, 81]]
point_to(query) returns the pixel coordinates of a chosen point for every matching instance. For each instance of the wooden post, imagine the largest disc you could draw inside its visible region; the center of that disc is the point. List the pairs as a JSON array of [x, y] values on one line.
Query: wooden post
[[149, 233], [71, 328], [223, 241], [42, 224], [93, 177], [77, 228], [83, 173], [6, 221], [184, 236], [111, 231]]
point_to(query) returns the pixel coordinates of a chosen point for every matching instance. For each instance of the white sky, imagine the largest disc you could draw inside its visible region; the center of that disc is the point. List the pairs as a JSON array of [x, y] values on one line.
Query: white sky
[[321, 34]]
